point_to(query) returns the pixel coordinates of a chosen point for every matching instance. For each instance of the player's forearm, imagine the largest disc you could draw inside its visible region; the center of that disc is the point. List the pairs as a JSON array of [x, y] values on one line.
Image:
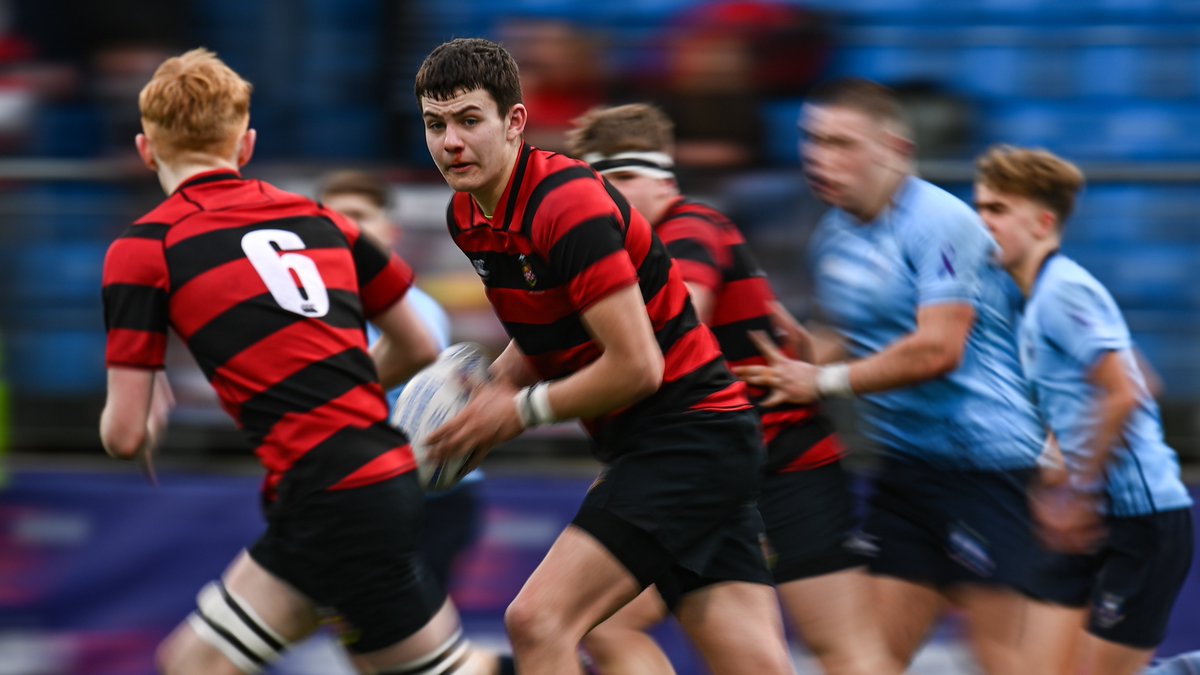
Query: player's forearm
[[909, 361], [512, 367], [120, 438], [611, 382]]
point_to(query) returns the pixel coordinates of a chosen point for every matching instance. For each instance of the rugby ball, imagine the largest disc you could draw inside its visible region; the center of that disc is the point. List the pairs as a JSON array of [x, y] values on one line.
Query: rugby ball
[[431, 398]]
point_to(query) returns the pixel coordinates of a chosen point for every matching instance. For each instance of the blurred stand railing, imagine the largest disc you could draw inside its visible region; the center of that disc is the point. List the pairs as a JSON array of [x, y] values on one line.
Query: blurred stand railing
[[1137, 230]]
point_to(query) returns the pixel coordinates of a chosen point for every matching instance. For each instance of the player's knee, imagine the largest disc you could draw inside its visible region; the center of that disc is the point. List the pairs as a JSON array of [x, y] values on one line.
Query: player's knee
[[228, 625], [528, 624]]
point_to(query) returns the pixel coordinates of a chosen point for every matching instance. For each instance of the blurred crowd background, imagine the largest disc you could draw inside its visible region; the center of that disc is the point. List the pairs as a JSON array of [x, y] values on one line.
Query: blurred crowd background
[[1111, 84]]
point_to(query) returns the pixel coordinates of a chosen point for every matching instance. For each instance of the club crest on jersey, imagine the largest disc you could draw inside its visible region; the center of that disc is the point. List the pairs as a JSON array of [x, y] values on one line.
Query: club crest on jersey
[[480, 266], [527, 271]]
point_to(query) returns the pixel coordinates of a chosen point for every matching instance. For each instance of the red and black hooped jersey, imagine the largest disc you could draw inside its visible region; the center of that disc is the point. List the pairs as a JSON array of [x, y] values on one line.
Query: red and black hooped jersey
[[270, 292], [711, 252], [561, 240]]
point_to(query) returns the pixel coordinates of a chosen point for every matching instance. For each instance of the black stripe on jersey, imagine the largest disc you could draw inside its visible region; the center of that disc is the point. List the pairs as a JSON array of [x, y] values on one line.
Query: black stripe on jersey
[[311, 387], [509, 271], [744, 265], [676, 328], [518, 180], [549, 184], [585, 245], [340, 455], [256, 319], [211, 178], [369, 259], [619, 200], [735, 343], [655, 270], [538, 339], [196, 255], [452, 223], [691, 250], [135, 307], [156, 231]]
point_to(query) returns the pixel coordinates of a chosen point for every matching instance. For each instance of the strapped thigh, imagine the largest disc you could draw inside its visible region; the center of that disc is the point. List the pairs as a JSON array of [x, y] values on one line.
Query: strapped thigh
[[446, 659], [229, 624]]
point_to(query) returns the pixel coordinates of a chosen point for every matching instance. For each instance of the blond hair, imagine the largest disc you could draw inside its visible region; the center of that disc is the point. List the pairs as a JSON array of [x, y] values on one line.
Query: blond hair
[[195, 104], [635, 127], [1035, 174]]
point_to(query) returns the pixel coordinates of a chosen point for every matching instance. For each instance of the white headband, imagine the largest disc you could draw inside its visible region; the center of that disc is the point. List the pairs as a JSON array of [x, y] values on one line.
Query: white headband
[[651, 164]]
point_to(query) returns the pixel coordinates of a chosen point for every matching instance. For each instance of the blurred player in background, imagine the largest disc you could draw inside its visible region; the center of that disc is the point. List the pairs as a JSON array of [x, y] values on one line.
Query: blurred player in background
[[1123, 512], [270, 291], [453, 518], [905, 274], [602, 331], [806, 503]]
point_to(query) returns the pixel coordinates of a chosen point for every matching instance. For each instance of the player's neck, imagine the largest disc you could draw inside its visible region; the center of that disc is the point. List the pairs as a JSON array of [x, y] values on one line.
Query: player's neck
[[488, 196], [1027, 270], [883, 200], [171, 176]]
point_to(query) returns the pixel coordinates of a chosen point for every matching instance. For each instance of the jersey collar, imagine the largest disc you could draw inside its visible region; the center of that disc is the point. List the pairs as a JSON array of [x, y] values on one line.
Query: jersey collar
[[209, 177]]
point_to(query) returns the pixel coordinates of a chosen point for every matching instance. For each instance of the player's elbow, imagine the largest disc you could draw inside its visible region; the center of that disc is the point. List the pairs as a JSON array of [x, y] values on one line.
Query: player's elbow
[[647, 374], [122, 443]]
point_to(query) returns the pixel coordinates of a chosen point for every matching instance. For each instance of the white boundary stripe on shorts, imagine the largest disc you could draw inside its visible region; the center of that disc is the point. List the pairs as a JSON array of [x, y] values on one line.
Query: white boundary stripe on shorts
[[229, 624], [651, 164], [445, 659]]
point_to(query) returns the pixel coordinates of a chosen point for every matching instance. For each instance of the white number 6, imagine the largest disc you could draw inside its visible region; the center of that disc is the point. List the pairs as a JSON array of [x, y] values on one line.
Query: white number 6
[[262, 247]]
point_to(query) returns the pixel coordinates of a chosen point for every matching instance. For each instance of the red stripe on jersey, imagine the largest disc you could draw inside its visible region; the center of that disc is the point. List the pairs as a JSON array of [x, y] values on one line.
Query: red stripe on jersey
[[389, 465], [827, 451], [239, 379], [295, 433], [521, 306], [775, 421], [700, 274], [743, 300], [135, 348], [387, 288], [136, 261], [563, 363], [690, 352], [732, 397], [601, 280]]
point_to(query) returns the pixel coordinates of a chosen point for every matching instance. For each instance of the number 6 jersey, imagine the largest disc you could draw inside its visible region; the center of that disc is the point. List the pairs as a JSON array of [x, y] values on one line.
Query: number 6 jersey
[[270, 292]]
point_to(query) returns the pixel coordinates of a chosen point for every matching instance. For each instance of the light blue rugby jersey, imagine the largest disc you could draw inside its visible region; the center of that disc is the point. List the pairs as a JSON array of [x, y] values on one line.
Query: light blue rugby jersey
[[930, 248], [1070, 322]]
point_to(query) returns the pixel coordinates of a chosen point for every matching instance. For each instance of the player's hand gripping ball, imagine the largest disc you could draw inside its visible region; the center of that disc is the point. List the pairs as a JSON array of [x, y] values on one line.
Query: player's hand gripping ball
[[433, 396]]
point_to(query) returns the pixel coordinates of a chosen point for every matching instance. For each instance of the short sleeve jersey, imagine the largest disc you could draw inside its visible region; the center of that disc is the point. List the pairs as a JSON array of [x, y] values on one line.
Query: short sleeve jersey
[[561, 240], [269, 291], [1070, 322], [929, 248], [711, 252]]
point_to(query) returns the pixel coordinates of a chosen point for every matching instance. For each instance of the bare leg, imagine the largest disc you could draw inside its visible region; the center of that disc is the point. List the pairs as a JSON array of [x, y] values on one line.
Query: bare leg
[[907, 612], [578, 585], [1052, 638], [276, 604], [995, 619], [620, 645], [737, 628], [1101, 657], [834, 616]]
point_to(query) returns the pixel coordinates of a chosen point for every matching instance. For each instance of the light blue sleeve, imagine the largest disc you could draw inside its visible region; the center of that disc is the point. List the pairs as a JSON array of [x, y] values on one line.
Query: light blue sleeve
[[1083, 322], [432, 315], [948, 253]]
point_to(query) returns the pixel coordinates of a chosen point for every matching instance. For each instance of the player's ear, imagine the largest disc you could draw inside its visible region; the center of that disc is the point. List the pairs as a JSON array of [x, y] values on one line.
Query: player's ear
[[145, 150], [1047, 223], [246, 147], [517, 117]]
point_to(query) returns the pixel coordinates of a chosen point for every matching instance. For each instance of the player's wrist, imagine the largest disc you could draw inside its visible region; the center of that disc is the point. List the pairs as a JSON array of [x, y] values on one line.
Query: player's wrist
[[533, 406], [833, 381]]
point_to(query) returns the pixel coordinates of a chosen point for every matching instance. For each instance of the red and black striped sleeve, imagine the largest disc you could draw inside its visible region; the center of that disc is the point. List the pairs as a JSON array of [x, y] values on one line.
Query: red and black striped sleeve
[[696, 246], [383, 277], [135, 293], [580, 233]]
